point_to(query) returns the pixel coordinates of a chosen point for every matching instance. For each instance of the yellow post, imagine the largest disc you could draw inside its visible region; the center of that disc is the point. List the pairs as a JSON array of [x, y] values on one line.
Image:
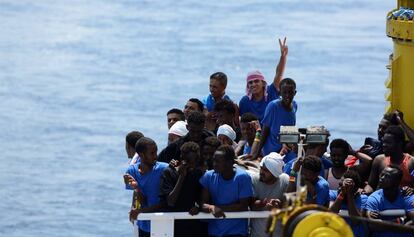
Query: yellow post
[[400, 82]]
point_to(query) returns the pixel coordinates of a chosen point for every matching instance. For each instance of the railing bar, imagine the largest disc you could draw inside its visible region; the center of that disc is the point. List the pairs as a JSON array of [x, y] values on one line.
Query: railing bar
[[185, 215]]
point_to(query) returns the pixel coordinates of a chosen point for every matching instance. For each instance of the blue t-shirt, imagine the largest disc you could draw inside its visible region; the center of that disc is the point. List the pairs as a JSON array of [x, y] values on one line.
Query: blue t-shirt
[[291, 155], [360, 202], [225, 192], [247, 149], [149, 184], [378, 202], [129, 170], [275, 116], [326, 164], [258, 108], [209, 102], [322, 192]]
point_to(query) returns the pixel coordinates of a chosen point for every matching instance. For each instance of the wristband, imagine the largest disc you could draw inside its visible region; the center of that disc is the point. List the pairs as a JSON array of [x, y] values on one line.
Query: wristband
[[292, 179], [340, 197], [293, 173], [258, 134], [256, 140]]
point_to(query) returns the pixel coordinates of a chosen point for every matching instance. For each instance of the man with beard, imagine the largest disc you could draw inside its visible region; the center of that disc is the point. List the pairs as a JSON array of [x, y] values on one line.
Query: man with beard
[[343, 158], [389, 197], [393, 147], [268, 190]]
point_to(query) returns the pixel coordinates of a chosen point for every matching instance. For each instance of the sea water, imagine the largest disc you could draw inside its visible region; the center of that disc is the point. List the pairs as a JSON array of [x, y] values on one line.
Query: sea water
[[77, 76]]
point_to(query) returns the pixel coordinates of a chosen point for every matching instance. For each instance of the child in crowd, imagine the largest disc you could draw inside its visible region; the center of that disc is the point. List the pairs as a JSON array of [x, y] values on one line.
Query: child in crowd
[[318, 187], [249, 126], [180, 190]]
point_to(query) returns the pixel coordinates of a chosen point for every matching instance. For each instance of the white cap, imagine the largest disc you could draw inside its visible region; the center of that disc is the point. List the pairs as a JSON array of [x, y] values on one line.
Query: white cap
[[179, 128], [227, 131], [274, 163]]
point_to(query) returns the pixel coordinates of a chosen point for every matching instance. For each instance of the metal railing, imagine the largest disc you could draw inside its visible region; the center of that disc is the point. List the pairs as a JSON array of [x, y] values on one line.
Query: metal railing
[[162, 223]]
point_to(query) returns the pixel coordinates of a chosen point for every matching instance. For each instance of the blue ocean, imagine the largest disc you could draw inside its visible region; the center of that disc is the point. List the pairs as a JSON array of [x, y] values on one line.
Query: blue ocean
[[76, 76]]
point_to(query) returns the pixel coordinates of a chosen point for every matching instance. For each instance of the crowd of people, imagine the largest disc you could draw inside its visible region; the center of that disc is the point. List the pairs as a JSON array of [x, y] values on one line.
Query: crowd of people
[[222, 157]]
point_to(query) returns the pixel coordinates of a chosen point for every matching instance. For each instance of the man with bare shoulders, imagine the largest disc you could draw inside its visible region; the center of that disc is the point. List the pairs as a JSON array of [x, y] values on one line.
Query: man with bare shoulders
[[393, 147]]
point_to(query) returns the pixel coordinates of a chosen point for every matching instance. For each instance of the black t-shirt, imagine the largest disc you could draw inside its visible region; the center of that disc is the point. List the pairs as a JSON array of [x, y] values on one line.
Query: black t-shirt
[[172, 151], [189, 194], [190, 191]]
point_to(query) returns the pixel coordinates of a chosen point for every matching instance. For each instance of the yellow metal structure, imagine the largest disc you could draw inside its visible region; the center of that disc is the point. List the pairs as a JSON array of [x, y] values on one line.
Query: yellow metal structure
[[306, 220], [400, 82], [322, 224]]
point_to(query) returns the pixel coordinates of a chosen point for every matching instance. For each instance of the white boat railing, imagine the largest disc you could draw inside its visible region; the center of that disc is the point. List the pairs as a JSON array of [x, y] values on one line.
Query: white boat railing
[[162, 223]]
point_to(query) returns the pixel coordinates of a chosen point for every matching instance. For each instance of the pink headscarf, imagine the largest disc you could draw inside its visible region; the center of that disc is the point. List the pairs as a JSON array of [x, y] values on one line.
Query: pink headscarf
[[255, 75]]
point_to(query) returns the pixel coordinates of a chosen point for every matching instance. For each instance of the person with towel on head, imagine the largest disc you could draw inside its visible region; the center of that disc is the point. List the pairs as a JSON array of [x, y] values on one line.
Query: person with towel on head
[[178, 130], [227, 135], [268, 189], [258, 93]]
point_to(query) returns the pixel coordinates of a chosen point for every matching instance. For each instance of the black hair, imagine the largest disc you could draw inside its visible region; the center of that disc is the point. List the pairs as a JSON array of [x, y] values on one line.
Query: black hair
[[388, 117], [227, 151], [287, 81], [225, 105], [353, 174], [177, 111], [397, 132], [143, 143], [248, 117], [197, 118], [398, 172], [220, 77], [339, 143], [198, 102], [190, 147], [132, 138], [312, 163], [212, 141]]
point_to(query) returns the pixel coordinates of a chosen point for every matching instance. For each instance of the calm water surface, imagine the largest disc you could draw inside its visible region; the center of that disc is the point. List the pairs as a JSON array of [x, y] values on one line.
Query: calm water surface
[[76, 76]]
